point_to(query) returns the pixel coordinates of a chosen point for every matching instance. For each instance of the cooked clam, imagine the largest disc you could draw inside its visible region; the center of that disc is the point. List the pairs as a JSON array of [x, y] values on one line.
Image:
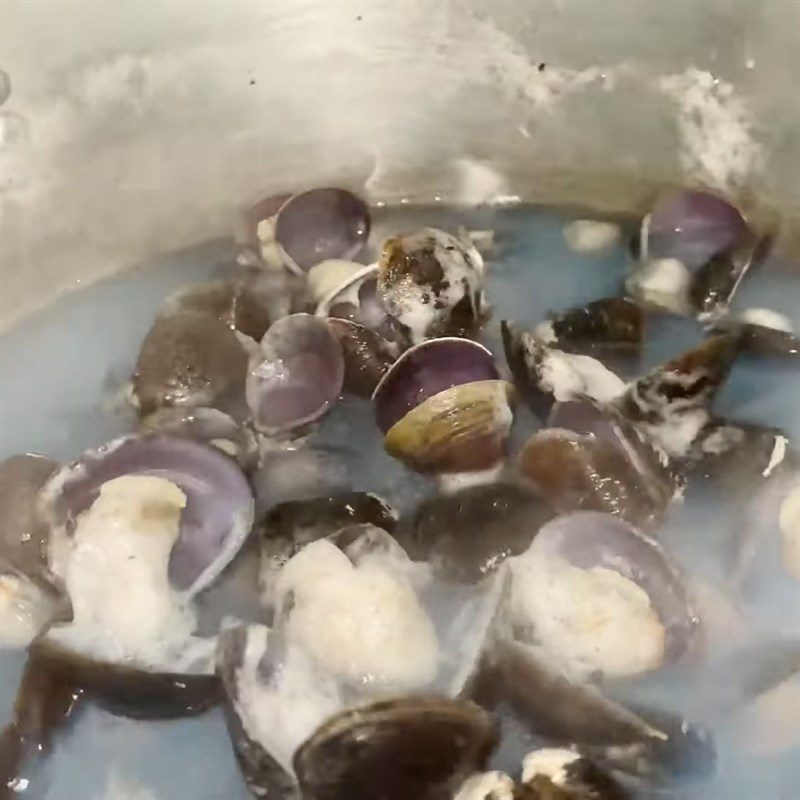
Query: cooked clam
[[544, 374], [470, 533], [297, 376], [597, 597], [419, 748], [671, 402], [27, 604], [444, 409], [215, 518], [189, 359], [431, 283]]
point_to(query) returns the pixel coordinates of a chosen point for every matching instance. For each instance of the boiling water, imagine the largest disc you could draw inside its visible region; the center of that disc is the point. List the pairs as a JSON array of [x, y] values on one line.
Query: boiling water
[[63, 373]]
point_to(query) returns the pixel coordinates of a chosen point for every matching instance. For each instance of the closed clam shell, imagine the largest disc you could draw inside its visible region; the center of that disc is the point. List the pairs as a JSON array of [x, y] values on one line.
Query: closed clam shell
[[421, 748], [462, 429]]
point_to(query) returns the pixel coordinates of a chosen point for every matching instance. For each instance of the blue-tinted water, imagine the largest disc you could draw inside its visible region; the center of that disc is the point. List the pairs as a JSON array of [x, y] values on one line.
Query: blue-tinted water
[[61, 374]]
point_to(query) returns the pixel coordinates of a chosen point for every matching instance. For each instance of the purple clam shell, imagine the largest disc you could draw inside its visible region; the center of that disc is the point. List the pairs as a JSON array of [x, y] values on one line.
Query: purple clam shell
[[591, 538], [427, 369], [300, 377], [321, 224], [692, 227], [219, 504]]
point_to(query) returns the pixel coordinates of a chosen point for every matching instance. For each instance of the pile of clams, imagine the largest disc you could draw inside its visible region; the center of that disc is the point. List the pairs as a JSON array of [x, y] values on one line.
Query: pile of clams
[[380, 650]]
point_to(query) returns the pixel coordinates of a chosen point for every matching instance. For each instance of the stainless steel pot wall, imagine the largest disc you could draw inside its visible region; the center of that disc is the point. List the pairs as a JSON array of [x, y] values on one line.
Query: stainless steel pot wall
[[138, 126]]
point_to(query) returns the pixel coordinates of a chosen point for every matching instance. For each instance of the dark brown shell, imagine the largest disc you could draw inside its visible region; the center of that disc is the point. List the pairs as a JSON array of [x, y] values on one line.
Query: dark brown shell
[[716, 282], [367, 356], [610, 329], [129, 691], [421, 748], [468, 534], [189, 359], [574, 472]]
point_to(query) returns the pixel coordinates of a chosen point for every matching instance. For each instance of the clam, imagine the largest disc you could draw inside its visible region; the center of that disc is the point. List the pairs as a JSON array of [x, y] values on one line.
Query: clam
[[597, 597], [214, 520], [284, 710], [189, 359], [593, 459], [207, 426], [671, 402], [717, 281], [419, 748], [431, 283], [297, 376], [367, 356], [544, 374], [321, 224], [610, 326], [575, 472], [689, 226], [444, 409], [470, 533]]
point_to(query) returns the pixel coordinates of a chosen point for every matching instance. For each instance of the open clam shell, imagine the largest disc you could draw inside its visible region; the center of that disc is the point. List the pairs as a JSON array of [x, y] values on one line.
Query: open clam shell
[[219, 504], [544, 374], [297, 376], [671, 402], [431, 283], [690, 226], [590, 545], [321, 224], [421, 748], [759, 340]]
